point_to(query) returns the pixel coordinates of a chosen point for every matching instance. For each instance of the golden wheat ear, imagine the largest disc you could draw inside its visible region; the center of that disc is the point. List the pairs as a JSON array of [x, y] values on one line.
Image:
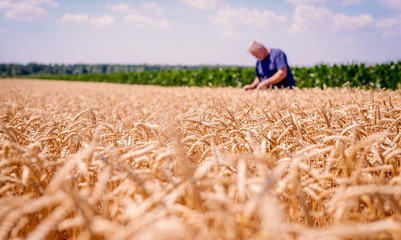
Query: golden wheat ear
[[107, 161]]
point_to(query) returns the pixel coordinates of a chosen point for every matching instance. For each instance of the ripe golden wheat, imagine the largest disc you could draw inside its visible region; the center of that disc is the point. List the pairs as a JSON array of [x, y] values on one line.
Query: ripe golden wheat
[[106, 161]]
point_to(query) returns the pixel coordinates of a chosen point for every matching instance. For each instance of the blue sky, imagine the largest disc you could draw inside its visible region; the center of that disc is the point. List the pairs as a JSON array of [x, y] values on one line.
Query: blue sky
[[191, 32]]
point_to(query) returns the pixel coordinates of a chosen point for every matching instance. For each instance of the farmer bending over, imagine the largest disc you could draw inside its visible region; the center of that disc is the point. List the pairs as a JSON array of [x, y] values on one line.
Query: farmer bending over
[[272, 69]]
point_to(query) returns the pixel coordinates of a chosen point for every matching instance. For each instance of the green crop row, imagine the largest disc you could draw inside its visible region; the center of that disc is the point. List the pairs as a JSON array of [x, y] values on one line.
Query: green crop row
[[218, 77], [386, 75], [354, 75]]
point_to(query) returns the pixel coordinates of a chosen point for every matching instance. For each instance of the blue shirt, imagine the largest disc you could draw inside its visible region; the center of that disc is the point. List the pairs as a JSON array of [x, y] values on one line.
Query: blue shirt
[[269, 66]]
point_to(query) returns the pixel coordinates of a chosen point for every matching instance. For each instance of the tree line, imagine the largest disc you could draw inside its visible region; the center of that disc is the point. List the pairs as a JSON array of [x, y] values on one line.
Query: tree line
[[36, 69]]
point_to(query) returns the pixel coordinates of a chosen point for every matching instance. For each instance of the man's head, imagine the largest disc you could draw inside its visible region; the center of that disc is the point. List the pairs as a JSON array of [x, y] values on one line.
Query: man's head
[[258, 50]]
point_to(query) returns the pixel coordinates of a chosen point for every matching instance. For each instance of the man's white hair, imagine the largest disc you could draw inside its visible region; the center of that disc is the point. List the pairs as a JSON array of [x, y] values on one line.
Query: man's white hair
[[254, 45]]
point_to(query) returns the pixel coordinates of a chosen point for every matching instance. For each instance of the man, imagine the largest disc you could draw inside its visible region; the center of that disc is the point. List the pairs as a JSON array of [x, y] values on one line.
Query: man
[[272, 69]]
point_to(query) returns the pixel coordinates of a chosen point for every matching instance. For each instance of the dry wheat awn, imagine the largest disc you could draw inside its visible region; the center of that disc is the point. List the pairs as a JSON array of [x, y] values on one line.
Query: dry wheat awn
[[108, 161]]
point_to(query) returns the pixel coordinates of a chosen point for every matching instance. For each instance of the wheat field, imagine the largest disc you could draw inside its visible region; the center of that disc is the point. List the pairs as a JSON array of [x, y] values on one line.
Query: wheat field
[[108, 161]]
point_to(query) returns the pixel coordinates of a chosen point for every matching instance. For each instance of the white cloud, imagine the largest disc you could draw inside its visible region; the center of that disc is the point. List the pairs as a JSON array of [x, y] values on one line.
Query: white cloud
[[390, 26], [25, 10], [346, 40], [297, 2], [203, 4], [231, 34], [102, 22], [96, 22], [141, 21], [39, 2], [73, 18], [391, 4], [312, 18], [230, 17], [121, 7], [350, 2], [342, 21], [152, 7], [342, 2], [139, 17]]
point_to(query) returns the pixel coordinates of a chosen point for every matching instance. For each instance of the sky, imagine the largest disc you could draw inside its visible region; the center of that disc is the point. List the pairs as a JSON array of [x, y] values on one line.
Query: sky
[[194, 32]]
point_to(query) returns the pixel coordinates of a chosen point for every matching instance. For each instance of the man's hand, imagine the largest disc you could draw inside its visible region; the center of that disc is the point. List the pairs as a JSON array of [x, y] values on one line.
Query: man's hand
[[253, 85], [276, 78], [248, 87], [262, 85]]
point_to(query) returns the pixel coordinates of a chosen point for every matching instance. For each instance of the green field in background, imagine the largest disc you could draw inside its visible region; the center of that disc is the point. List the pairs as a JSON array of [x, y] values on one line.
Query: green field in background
[[387, 75]]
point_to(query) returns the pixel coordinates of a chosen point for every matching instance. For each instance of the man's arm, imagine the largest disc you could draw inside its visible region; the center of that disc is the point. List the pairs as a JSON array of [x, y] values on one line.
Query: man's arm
[[276, 78], [252, 85]]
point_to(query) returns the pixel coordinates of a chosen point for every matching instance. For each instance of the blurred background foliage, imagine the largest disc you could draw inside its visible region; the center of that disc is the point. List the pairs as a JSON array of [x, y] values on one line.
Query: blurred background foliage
[[385, 75]]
